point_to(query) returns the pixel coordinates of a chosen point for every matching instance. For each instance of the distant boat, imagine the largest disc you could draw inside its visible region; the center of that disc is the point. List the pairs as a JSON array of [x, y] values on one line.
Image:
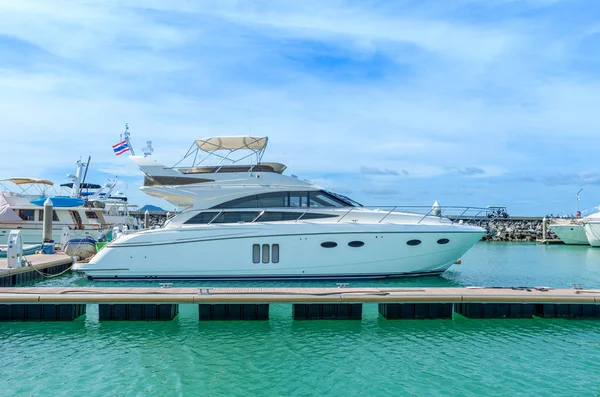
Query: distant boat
[[572, 231]]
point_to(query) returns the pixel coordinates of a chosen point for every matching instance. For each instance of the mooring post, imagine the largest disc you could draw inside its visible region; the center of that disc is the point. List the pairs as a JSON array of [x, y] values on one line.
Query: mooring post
[[47, 226], [146, 219], [544, 228]]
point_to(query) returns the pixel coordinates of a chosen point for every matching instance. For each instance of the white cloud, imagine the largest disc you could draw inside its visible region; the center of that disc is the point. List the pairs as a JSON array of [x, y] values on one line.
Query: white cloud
[[450, 93]]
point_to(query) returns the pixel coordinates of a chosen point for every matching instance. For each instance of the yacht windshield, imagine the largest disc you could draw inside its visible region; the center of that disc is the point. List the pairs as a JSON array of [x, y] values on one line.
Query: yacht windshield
[[348, 200]]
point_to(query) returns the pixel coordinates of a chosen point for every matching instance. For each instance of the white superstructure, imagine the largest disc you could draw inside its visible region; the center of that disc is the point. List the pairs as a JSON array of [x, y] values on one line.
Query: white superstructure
[[253, 222]]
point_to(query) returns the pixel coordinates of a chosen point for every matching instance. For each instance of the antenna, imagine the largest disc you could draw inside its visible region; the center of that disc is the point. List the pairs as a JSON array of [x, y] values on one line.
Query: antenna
[[578, 199], [126, 135]]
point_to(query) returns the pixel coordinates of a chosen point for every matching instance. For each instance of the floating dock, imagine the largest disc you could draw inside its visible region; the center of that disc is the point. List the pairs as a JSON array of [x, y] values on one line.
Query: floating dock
[[36, 267], [56, 304]]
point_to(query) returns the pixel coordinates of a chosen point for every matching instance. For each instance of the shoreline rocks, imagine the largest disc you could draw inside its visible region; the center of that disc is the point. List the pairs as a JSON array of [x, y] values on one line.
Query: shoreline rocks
[[516, 230]]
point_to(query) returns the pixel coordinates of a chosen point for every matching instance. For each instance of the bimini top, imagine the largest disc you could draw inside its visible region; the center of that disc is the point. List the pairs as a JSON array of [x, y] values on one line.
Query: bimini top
[[226, 154], [213, 144], [25, 181]]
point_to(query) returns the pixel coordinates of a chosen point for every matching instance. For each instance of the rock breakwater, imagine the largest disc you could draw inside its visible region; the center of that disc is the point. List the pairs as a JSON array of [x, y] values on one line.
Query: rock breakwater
[[513, 229]]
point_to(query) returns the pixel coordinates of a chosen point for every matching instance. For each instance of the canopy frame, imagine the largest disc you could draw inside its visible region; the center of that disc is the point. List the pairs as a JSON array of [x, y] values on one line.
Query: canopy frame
[[225, 149]]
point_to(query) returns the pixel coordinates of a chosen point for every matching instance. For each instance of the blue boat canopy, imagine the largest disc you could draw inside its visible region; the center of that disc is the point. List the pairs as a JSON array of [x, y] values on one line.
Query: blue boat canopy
[[60, 201]]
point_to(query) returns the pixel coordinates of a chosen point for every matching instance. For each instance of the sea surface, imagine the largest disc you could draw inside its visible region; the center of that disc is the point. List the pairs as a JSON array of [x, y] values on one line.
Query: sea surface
[[280, 357]]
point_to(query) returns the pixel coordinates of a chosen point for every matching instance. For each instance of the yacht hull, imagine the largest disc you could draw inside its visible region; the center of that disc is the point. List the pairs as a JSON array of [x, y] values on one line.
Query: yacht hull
[[283, 252], [571, 234], [592, 231]]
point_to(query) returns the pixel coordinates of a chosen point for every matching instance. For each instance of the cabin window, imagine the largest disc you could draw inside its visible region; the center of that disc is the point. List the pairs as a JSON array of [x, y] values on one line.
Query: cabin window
[[329, 244], [201, 218], [256, 253], [272, 216], [413, 242], [235, 217], [356, 244], [275, 253], [91, 215], [265, 253], [55, 216], [443, 241], [316, 199], [27, 215]]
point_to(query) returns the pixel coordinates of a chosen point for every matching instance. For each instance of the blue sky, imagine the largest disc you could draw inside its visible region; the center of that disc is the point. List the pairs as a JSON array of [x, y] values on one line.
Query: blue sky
[[391, 102]]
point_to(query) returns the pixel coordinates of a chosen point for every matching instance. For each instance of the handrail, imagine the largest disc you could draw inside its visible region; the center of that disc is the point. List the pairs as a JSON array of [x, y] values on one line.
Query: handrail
[[474, 212], [386, 215], [215, 217], [349, 211]]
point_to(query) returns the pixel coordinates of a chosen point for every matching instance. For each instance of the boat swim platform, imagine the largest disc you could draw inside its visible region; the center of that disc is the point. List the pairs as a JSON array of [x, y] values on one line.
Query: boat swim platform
[[307, 303], [36, 267]]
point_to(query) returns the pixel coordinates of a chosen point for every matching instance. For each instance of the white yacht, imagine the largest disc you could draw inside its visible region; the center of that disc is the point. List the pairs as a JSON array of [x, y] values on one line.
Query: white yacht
[[251, 222], [572, 231], [24, 211], [591, 226], [82, 212]]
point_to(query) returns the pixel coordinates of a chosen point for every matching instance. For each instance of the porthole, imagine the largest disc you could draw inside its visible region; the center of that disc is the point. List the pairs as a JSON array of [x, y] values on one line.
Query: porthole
[[329, 244], [356, 244], [443, 241], [413, 242]]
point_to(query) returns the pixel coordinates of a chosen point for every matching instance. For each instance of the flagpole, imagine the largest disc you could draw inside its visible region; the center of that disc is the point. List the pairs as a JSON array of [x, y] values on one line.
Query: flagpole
[[126, 135]]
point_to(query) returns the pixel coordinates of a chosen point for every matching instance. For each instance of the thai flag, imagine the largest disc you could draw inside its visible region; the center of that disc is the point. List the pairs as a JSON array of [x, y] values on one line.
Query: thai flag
[[121, 147]]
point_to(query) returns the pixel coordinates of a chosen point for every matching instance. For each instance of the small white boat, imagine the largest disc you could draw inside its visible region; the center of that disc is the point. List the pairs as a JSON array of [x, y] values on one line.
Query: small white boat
[[81, 247]]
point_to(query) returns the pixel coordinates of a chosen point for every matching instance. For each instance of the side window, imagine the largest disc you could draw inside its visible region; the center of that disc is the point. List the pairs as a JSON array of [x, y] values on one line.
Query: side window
[[55, 216], [298, 199], [275, 253], [266, 253], [91, 215], [27, 215], [201, 218]]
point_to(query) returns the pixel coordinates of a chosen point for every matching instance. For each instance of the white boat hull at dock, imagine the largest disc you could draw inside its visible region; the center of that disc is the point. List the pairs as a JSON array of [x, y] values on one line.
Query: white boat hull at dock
[[268, 252], [573, 234], [592, 231]]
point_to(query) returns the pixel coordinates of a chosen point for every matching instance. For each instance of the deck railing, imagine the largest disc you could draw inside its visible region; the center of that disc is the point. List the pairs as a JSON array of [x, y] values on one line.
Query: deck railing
[[450, 214]]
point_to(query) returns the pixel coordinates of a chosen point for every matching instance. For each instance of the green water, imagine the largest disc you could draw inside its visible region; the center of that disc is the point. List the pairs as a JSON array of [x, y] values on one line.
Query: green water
[[280, 357]]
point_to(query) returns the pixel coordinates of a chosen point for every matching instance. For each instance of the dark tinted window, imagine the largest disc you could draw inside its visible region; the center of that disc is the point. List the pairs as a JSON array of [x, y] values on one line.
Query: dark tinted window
[[356, 244], [291, 216], [275, 253], [443, 241], [234, 217], [91, 215], [27, 215], [256, 253], [328, 244], [55, 217], [413, 242], [286, 199], [201, 218]]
